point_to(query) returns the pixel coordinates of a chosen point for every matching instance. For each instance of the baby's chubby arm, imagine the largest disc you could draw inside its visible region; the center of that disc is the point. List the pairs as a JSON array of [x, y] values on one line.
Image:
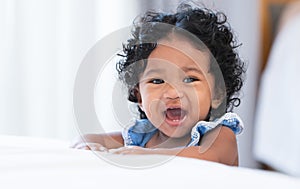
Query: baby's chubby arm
[[98, 142], [218, 145]]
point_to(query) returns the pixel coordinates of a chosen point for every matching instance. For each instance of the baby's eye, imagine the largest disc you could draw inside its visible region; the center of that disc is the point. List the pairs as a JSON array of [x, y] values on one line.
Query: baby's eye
[[190, 79], [157, 81]]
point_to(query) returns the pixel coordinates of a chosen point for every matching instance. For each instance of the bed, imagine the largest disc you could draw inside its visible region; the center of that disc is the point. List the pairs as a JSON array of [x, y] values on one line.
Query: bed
[[277, 131], [27, 162]]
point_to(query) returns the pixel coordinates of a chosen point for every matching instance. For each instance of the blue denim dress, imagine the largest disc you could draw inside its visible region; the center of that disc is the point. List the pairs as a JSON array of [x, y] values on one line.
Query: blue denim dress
[[142, 131]]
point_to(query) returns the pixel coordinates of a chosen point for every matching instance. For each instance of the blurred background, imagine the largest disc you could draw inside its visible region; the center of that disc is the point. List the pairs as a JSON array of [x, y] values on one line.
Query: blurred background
[[43, 43]]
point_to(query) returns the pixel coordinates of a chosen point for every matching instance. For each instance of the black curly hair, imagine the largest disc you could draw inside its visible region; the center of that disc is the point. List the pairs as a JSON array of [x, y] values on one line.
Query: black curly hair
[[211, 28]]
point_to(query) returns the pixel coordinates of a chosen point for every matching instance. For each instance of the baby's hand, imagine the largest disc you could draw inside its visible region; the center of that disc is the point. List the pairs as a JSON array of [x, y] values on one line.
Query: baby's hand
[[90, 146], [131, 150]]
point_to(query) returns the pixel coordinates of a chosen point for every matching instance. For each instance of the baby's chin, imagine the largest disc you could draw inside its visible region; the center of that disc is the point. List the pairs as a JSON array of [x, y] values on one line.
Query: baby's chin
[[177, 133]]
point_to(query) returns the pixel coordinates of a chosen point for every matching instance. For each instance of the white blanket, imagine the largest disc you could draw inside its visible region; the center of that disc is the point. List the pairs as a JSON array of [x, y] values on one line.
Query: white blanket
[[39, 163]]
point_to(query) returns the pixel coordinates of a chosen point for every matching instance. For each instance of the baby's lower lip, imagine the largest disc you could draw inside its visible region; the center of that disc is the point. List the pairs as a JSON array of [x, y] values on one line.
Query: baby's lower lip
[[175, 123]]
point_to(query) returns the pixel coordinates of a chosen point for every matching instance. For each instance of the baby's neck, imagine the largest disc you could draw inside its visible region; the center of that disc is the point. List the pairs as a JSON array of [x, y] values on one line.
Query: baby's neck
[[160, 140]]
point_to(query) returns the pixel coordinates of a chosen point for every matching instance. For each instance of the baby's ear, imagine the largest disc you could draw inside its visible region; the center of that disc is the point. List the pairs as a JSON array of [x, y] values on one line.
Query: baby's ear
[[134, 95], [216, 103], [135, 92], [138, 97], [218, 99]]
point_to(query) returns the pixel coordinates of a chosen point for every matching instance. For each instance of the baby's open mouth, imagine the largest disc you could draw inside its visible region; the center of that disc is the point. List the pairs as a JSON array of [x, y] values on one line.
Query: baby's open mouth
[[175, 114]]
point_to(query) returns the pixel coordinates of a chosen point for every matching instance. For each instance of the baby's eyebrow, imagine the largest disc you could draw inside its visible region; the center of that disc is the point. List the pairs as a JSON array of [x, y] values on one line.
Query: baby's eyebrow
[[192, 69], [151, 71]]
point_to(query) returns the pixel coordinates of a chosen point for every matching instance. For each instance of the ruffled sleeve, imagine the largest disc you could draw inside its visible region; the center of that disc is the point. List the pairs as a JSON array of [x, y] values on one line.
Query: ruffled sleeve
[[230, 120], [138, 134]]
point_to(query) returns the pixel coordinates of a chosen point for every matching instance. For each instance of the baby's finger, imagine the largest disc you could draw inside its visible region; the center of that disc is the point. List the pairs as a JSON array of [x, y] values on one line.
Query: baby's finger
[[82, 146], [124, 150], [117, 150], [96, 147]]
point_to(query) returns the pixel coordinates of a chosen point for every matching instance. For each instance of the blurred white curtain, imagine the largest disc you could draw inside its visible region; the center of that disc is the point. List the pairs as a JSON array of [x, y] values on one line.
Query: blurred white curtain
[[42, 45]]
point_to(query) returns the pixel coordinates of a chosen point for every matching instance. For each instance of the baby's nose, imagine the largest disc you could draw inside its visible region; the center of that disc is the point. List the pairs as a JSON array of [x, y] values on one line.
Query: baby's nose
[[172, 92]]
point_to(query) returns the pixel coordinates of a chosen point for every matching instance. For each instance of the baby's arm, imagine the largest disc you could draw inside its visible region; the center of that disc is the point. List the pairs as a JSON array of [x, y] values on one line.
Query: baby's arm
[[99, 142], [218, 145]]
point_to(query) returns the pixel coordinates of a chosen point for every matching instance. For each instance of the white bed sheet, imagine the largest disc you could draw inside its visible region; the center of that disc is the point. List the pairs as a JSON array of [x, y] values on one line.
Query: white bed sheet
[[41, 163]]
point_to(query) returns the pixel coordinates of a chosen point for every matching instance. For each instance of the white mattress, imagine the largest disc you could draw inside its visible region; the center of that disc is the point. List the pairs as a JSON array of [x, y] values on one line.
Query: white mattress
[[40, 163]]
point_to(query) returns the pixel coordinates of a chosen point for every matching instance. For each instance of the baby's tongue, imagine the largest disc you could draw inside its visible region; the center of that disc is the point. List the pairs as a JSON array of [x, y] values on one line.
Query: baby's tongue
[[174, 114]]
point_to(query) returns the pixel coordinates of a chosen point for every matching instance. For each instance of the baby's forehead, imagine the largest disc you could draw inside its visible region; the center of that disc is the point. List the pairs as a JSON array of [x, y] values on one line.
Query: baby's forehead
[[179, 52]]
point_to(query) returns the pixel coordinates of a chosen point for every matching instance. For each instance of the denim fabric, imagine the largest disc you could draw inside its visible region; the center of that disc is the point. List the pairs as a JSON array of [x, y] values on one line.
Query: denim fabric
[[139, 134]]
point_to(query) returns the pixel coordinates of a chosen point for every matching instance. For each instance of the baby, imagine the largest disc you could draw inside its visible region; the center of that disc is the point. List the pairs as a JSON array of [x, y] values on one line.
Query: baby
[[183, 73]]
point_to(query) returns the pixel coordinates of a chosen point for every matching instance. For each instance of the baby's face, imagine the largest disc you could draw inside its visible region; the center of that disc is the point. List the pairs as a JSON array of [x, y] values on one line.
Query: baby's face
[[176, 88]]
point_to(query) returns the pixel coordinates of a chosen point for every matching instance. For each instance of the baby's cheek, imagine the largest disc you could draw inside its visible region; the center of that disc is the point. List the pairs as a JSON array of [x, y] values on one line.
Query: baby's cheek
[[199, 106], [154, 111]]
